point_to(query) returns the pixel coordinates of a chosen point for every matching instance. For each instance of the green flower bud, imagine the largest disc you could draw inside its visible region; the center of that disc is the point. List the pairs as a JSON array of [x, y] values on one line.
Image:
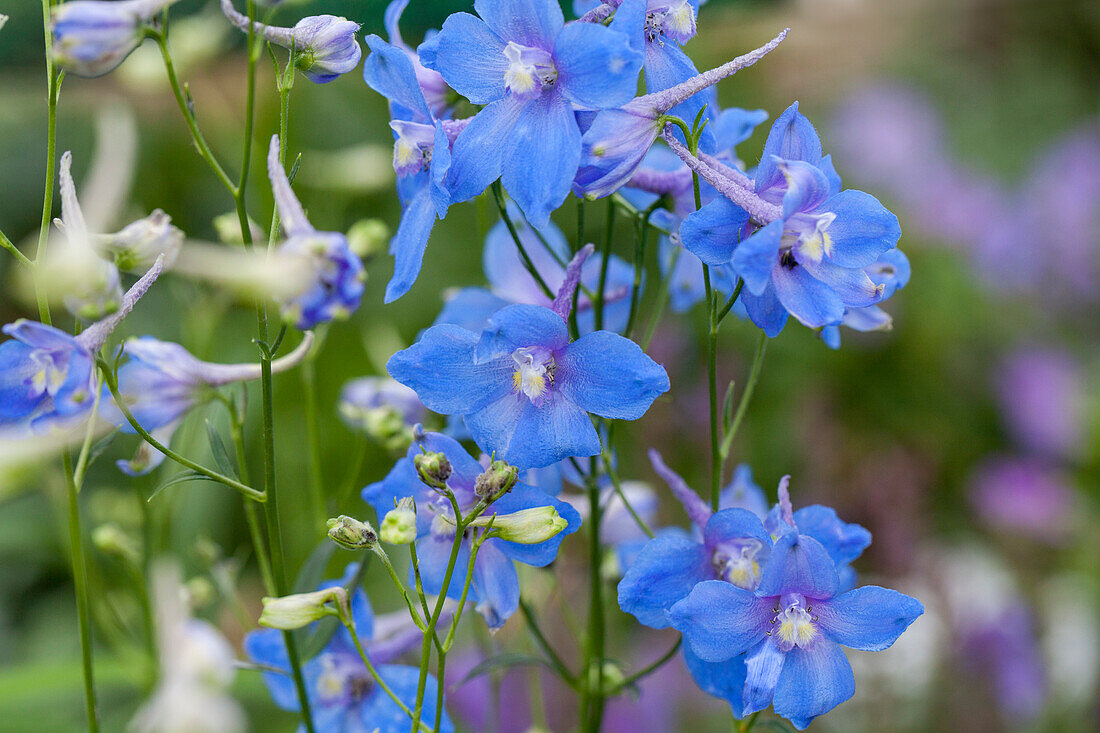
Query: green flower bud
[[527, 526], [368, 237], [496, 482], [295, 611], [399, 525], [200, 592], [351, 534], [434, 469], [111, 540]]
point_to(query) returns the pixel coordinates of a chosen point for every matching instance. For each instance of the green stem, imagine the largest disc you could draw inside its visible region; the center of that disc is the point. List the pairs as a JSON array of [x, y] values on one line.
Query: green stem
[[385, 559], [614, 476], [536, 633], [313, 440], [80, 580], [53, 87], [6, 244], [378, 679], [498, 197], [662, 300], [653, 667], [712, 384], [596, 628], [252, 516], [746, 396], [601, 288], [733, 299], [744, 726]]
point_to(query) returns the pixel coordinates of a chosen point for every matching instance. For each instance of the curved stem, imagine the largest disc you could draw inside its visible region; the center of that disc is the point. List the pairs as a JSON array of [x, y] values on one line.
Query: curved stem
[[614, 476], [540, 639], [746, 396], [19, 256], [378, 679], [733, 299], [662, 300], [251, 515], [498, 197], [653, 667], [601, 288], [80, 581]]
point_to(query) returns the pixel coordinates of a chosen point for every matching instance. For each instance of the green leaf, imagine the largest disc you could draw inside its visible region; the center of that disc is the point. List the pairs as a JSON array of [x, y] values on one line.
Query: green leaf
[[101, 445], [727, 409], [179, 478], [507, 660], [217, 450], [313, 570]]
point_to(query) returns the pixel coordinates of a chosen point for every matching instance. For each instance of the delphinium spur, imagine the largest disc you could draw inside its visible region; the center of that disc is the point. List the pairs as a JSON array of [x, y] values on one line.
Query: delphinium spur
[[539, 375]]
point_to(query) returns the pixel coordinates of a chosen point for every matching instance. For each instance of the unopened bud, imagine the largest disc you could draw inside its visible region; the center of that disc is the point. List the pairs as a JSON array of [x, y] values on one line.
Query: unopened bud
[[399, 525], [434, 469], [208, 550], [351, 534], [110, 539], [294, 612], [368, 237], [496, 482], [200, 592], [527, 526], [136, 247]]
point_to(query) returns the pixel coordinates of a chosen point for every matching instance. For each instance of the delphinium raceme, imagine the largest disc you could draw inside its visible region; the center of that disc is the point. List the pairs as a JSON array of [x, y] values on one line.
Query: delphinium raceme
[[538, 375]]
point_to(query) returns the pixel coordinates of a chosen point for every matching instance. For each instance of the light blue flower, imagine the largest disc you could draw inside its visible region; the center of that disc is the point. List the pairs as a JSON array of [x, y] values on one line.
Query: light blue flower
[[891, 271], [495, 586], [524, 389], [529, 68], [343, 696], [92, 37]]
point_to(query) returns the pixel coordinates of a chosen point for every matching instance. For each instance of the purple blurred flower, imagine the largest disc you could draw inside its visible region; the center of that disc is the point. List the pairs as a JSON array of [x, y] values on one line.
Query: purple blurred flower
[[1041, 393], [1024, 495]]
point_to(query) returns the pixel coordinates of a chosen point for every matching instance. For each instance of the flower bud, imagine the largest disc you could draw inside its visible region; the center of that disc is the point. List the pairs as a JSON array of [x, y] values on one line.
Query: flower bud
[[399, 525], [138, 244], [496, 482], [326, 47], [92, 37], [111, 540], [200, 592], [295, 611], [527, 526], [434, 469], [228, 228], [351, 534], [368, 237]]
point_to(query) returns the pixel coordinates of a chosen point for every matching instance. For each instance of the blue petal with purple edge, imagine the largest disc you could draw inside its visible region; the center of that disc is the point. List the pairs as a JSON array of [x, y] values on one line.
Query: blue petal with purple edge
[[792, 137], [441, 163], [469, 56], [666, 65], [664, 572], [765, 310], [720, 620], [541, 155], [410, 241], [712, 232], [735, 524], [477, 157], [755, 257], [518, 326], [597, 67], [389, 71], [863, 230], [266, 646], [807, 186], [843, 541], [813, 682], [379, 712], [531, 437], [495, 586], [868, 618], [610, 376], [534, 23], [826, 166], [805, 297], [523, 496], [798, 564], [854, 288], [440, 368], [763, 665], [725, 680], [470, 309]]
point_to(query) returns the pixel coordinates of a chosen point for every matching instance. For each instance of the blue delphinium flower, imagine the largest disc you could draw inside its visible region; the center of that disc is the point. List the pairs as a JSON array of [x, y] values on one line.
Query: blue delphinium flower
[[324, 46], [92, 37], [891, 271], [790, 628], [439, 97], [336, 288], [510, 282], [162, 382], [529, 68], [495, 585], [524, 389], [421, 157], [343, 695], [47, 377], [799, 242]]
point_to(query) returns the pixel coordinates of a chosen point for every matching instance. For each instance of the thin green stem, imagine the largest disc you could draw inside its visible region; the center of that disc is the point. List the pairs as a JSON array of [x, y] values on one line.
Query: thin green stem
[[746, 725], [654, 666], [601, 288], [498, 197], [53, 84], [80, 581], [313, 441], [381, 682], [251, 514], [733, 299], [712, 384], [540, 639], [19, 256], [112, 386], [593, 670], [662, 300], [397, 582], [614, 476], [641, 233], [746, 396]]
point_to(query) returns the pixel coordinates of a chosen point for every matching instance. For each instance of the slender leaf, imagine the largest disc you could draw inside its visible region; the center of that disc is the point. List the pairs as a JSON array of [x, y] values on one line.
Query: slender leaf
[[220, 454], [507, 660], [179, 478]]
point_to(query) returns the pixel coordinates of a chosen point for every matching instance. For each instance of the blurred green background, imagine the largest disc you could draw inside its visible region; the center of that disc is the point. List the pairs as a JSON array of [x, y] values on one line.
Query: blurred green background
[[888, 430]]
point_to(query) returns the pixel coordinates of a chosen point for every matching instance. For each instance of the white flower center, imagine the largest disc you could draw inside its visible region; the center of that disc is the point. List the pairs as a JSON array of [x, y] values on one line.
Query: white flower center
[[529, 70], [737, 564], [795, 623], [534, 372]]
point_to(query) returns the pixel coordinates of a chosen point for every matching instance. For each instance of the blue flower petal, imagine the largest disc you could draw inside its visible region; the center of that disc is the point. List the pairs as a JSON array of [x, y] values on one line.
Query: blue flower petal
[[440, 368], [666, 65], [725, 680], [868, 618], [379, 712], [851, 284], [712, 232], [409, 243], [400, 482], [523, 496], [541, 155], [755, 258], [534, 23], [433, 553], [792, 137], [470, 57], [518, 326], [266, 646], [610, 376], [495, 585], [465, 469], [798, 564], [470, 309], [720, 620], [597, 67], [813, 682], [729, 524], [664, 572], [735, 125], [806, 298], [389, 71], [477, 157], [863, 229], [807, 186], [764, 665], [842, 540], [765, 310], [531, 437], [16, 371]]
